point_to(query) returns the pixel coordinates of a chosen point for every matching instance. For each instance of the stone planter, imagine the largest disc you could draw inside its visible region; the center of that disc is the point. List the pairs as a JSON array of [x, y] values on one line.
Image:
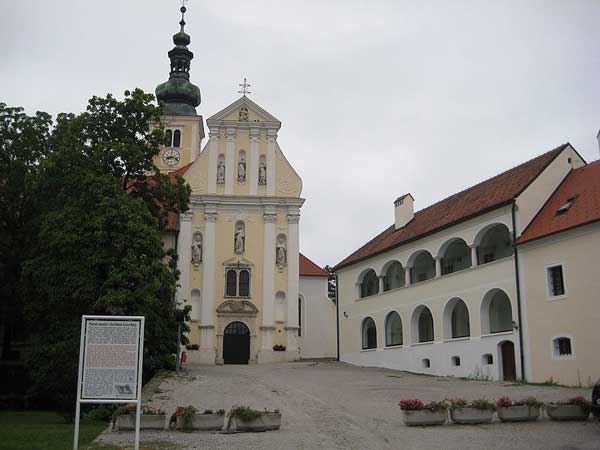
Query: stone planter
[[567, 412], [470, 415], [267, 421], [126, 422], [202, 422], [424, 417], [522, 413]]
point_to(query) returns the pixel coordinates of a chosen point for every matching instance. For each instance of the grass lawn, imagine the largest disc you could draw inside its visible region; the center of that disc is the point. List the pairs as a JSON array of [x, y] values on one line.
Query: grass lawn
[[27, 430]]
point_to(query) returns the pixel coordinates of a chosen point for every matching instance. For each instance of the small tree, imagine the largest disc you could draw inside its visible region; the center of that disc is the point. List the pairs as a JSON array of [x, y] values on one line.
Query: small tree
[[331, 283]]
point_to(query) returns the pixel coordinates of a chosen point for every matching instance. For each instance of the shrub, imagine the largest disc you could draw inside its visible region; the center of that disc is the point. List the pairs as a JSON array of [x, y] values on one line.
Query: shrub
[[279, 348], [186, 413], [411, 404], [457, 403], [244, 413], [437, 406], [579, 401], [218, 411], [483, 404], [102, 413], [529, 401]]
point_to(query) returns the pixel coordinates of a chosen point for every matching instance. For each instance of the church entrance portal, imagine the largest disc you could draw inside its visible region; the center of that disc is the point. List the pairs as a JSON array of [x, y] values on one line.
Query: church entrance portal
[[236, 343]]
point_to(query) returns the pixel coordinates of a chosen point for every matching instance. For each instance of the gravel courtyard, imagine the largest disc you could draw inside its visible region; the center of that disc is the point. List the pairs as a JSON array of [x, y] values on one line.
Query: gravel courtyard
[[330, 405]]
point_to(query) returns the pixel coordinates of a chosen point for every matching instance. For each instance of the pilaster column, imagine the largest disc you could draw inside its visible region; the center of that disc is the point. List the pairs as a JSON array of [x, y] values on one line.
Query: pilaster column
[[474, 262], [208, 278], [271, 161], [381, 279], [268, 294], [293, 266], [230, 136], [407, 271], [438, 266], [213, 155], [253, 160], [184, 258]]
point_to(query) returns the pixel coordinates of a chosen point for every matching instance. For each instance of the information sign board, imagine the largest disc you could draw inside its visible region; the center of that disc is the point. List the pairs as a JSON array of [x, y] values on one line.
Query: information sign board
[[110, 363]]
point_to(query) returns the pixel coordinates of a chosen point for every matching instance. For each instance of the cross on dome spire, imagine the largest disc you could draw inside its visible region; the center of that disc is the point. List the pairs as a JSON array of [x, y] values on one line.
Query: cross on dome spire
[[244, 88]]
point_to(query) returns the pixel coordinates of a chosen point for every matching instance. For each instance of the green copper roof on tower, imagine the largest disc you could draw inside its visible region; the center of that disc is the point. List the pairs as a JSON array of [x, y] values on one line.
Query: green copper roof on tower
[[179, 95]]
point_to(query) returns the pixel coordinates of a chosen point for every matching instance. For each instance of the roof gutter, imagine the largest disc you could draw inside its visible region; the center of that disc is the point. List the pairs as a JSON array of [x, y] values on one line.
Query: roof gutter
[[518, 286]]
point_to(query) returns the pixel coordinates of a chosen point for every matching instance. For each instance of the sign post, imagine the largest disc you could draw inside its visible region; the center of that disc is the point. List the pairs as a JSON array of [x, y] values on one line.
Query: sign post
[[110, 364]]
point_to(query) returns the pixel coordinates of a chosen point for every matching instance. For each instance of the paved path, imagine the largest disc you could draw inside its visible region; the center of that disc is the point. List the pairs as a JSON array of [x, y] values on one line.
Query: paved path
[[337, 406]]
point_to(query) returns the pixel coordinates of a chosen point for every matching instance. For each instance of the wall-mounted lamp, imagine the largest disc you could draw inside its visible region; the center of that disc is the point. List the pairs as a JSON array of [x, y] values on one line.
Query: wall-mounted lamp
[[515, 325], [345, 315]]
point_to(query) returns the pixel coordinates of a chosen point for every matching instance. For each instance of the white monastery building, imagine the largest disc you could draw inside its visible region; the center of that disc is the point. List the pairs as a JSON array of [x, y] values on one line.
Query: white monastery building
[[254, 298], [447, 290]]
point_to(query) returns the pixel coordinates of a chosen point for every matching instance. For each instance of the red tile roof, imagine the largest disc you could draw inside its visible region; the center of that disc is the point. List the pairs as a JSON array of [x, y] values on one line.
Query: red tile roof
[[583, 183], [490, 194], [310, 269]]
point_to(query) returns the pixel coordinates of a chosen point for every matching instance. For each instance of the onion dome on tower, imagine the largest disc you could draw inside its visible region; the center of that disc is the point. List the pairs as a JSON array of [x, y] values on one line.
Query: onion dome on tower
[[179, 95]]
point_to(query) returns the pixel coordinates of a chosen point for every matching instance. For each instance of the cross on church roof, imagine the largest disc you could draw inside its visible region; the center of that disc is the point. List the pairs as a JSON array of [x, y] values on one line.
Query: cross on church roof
[[244, 88]]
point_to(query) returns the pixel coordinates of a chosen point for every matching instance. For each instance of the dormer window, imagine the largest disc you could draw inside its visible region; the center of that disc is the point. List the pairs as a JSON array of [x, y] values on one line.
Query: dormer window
[[172, 138], [566, 206]]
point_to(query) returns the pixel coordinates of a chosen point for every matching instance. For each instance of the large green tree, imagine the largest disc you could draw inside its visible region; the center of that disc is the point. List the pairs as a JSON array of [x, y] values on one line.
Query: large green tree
[[24, 143], [96, 244]]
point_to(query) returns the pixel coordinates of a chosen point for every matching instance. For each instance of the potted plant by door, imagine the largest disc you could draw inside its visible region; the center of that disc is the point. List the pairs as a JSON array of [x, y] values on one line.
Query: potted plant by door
[[416, 413], [244, 418], [576, 408], [150, 418], [477, 411], [519, 411], [187, 418]]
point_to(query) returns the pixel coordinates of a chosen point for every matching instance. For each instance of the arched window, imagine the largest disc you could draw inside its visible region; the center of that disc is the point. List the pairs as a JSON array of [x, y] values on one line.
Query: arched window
[[231, 289], [393, 329], [177, 138], [393, 277], [561, 347], [499, 312], [423, 268], [423, 323], [458, 314], [369, 284], [457, 256], [369, 334], [168, 138], [426, 363], [455, 361], [495, 244], [244, 283]]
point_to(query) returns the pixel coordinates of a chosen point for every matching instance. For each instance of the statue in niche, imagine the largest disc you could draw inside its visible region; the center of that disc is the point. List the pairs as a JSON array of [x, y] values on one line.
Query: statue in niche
[[281, 252], [221, 172], [262, 173], [197, 249], [243, 114], [242, 169], [239, 243]]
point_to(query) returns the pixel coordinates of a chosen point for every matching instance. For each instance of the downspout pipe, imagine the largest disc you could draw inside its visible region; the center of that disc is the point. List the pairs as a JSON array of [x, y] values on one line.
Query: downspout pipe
[[518, 285], [337, 314]]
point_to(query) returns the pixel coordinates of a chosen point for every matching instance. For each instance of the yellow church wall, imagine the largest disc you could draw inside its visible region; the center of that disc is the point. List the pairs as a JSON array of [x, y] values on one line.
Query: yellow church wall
[[288, 183]]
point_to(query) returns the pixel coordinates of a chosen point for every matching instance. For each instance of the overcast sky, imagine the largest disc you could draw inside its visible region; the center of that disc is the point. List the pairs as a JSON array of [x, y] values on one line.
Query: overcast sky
[[377, 98]]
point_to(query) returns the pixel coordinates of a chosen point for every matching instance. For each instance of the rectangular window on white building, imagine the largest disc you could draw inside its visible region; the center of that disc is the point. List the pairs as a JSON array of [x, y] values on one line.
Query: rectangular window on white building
[[556, 284], [562, 347]]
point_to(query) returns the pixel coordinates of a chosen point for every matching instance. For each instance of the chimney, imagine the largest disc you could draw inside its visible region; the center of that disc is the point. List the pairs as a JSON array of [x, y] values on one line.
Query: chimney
[[404, 210]]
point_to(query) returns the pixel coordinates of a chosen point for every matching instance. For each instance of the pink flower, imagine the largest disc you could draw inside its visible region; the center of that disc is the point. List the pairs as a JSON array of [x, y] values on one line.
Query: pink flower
[[411, 404], [504, 402]]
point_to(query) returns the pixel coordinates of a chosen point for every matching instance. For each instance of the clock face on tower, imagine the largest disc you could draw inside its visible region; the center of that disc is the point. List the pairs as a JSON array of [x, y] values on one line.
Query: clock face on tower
[[171, 157]]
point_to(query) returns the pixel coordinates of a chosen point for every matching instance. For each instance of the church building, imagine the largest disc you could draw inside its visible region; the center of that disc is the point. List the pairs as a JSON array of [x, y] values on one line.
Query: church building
[[238, 245]]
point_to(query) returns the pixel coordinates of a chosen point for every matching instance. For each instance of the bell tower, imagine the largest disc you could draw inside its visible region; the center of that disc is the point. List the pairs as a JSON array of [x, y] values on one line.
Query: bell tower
[[184, 129]]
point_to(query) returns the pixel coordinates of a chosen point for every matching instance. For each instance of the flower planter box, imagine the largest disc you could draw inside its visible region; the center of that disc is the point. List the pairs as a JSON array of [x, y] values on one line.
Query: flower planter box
[[267, 421], [126, 422], [202, 422], [471, 415], [567, 412], [424, 417], [522, 413]]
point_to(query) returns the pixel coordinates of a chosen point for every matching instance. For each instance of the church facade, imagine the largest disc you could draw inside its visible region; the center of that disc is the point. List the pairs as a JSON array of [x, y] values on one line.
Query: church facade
[[238, 245]]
